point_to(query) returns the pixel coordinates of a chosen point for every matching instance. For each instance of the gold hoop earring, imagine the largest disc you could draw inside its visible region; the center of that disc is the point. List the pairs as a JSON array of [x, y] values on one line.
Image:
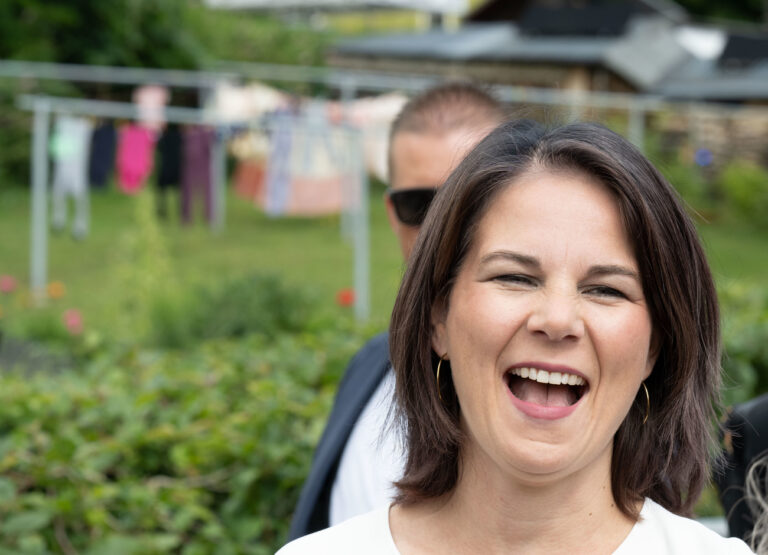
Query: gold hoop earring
[[647, 404], [437, 378]]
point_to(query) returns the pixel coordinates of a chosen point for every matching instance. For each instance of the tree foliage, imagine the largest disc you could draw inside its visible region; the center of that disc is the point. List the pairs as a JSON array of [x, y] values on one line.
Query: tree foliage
[[141, 33], [740, 10], [136, 451], [179, 34]]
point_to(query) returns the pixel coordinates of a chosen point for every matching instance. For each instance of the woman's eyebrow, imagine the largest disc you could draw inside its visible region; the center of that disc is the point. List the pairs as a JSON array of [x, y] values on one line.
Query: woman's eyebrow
[[533, 262], [612, 269], [524, 259]]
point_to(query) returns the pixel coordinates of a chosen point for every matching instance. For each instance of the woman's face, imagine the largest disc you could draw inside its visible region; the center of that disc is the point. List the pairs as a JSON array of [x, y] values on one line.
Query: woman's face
[[546, 328]]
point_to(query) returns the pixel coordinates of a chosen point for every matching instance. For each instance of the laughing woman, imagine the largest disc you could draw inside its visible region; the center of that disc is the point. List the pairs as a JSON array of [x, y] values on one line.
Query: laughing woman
[[556, 347]]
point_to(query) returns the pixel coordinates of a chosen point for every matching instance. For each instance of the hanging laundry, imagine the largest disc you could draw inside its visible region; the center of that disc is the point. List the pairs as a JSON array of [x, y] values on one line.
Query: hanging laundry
[[251, 148], [196, 180], [373, 116], [134, 157], [150, 102], [248, 144], [249, 180], [279, 164], [103, 143], [169, 165], [70, 147], [309, 168], [234, 103]]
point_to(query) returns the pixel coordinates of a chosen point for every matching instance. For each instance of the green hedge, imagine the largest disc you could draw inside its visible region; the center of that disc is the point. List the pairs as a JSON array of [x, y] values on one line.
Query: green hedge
[[745, 339], [744, 187], [139, 451]]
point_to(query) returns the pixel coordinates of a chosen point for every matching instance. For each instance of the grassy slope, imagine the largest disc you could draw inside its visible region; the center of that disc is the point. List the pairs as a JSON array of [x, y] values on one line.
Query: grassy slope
[[736, 252]]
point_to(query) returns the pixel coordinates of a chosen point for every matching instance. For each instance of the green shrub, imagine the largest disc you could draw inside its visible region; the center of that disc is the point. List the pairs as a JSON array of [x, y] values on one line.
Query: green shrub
[[43, 325], [258, 303], [669, 154], [144, 270], [744, 186], [689, 182], [745, 340], [154, 307], [196, 451]]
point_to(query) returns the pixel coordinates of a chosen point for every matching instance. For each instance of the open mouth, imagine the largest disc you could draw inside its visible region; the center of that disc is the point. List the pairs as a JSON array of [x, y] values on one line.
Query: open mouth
[[545, 388]]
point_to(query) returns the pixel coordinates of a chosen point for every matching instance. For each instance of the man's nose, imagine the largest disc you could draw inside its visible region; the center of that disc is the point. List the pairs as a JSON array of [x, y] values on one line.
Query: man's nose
[[556, 315]]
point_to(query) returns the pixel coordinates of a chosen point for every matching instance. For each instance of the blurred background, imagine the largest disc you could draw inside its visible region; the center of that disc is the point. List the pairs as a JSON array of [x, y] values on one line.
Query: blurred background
[[194, 240]]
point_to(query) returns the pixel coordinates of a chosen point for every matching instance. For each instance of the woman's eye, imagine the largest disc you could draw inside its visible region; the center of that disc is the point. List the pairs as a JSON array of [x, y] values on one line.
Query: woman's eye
[[605, 291], [516, 279]]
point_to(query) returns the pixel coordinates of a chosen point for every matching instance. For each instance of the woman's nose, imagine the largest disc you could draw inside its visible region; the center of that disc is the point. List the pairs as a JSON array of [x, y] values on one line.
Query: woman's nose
[[557, 316]]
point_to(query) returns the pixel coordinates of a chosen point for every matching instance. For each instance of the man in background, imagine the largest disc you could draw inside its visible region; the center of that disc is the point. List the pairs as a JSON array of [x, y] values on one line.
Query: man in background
[[359, 456]]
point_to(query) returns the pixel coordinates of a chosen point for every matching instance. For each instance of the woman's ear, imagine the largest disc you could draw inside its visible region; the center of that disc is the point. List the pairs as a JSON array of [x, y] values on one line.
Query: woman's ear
[[439, 333], [653, 354]]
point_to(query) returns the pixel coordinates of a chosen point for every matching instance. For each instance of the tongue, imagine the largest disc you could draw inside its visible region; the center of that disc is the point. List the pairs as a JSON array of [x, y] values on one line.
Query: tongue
[[547, 395]]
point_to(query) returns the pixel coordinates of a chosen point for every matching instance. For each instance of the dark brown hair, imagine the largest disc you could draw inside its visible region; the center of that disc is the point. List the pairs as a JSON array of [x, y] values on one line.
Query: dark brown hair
[[447, 107], [665, 459]]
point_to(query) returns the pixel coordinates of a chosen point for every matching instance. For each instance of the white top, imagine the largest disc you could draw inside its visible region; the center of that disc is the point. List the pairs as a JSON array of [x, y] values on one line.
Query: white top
[[371, 461], [658, 532]]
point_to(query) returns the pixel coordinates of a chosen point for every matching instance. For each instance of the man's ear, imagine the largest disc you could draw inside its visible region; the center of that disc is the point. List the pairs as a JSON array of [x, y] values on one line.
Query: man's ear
[[439, 332]]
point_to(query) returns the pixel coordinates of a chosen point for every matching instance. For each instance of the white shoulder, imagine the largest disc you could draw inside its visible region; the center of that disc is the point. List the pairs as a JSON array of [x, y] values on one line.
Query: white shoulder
[[660, 531], [367, 533]]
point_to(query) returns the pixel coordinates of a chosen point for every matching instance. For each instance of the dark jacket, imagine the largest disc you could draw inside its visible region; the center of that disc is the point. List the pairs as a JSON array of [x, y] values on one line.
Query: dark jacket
[[361, 378], [745, 439]]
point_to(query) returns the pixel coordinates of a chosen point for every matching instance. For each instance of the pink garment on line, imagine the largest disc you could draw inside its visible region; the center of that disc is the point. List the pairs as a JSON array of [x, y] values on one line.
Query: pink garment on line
[[134, 157]]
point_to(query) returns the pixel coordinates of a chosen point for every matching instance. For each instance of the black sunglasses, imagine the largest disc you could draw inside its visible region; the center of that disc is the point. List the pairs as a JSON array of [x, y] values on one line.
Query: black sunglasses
[[411, 205]]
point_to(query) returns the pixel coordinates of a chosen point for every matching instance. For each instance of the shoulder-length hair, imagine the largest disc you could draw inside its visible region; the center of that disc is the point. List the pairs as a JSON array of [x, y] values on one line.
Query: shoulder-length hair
[[666, 458]]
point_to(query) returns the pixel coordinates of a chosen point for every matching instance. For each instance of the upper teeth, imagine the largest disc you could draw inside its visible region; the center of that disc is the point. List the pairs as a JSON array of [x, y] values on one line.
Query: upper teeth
[[544, 376]]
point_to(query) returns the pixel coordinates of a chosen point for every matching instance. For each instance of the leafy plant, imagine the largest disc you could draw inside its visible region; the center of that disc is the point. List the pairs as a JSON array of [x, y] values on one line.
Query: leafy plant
[[234, 308], [144, 269], [195, 451], [688, 180], [745, 188], [745, 338]]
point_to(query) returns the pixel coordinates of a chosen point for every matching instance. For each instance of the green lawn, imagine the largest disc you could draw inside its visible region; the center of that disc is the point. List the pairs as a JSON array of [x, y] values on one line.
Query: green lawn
[[736, 252], [307, 252]]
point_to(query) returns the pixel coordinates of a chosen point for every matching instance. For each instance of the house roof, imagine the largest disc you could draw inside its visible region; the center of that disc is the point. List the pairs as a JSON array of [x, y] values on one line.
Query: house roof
[[432, 6], [654, 53], [704, 80], [555, 14], [738, 72], [480, 41], [743, 50], [648, 54], [608, 20]]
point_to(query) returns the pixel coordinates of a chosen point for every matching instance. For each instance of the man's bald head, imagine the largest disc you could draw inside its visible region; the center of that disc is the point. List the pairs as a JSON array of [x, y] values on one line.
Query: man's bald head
[[444, 109], [429, 138]]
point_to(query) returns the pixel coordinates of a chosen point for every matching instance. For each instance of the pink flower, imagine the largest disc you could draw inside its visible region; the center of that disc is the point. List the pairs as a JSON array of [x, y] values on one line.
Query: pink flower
[[7, 284], [73, 321], [345, 297]]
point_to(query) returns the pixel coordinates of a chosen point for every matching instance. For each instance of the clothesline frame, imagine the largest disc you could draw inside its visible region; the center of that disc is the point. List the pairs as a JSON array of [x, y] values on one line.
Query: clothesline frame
[[115, 75], [44, 106], [350, 82]]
